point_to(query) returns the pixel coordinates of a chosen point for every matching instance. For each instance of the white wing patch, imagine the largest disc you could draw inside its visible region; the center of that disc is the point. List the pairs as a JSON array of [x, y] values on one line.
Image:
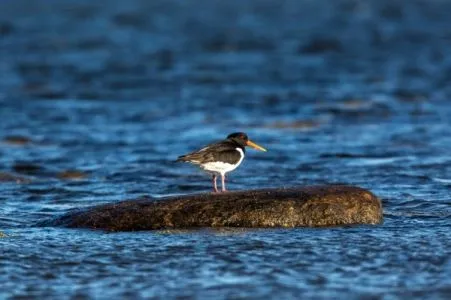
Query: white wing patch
[[203, 149], [222, 167]]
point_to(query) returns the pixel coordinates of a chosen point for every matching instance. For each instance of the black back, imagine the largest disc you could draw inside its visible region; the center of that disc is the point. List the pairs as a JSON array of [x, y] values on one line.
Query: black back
[[224, 151]]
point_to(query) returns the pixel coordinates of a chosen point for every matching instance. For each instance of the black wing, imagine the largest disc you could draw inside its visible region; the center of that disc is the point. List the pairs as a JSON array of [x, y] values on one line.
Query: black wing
[[222, 151]]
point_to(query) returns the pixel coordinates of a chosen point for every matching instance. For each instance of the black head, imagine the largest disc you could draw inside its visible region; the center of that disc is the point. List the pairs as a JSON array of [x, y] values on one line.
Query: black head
[[239, 137], [242, 139]]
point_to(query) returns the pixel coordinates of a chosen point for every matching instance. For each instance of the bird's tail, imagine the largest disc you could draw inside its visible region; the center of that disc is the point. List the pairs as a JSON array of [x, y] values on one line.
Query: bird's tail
[[190, 157]]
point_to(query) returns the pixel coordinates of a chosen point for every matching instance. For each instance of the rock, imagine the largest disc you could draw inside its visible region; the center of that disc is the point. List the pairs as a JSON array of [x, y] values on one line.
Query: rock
[[26, 168], [2, 235], [16, 140], [6, 177], [294, 125], [71, 174], [328, 205]]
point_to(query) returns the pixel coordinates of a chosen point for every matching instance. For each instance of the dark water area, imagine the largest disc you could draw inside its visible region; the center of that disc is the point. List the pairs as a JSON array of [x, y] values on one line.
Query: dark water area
[[98, 98]]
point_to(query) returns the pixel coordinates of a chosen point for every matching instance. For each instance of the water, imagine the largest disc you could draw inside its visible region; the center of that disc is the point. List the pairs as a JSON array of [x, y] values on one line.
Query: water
[[339, 92]]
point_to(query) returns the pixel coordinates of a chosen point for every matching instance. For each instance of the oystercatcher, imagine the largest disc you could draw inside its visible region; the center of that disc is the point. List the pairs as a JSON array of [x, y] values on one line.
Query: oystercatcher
[[221, 157]]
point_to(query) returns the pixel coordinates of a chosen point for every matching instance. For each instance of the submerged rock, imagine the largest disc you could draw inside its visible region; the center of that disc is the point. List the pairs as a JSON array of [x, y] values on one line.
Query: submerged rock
[[71, 174], [294, 125], [27, 168], [329, 205], [17, 140], [7, 177]]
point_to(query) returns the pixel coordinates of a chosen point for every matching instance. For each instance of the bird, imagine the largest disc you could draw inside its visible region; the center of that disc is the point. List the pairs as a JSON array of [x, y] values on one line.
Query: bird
[[221, 157]]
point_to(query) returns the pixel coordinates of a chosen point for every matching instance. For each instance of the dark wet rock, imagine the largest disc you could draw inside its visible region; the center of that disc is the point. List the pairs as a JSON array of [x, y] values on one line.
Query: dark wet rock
[[7, 177], [17, 140], [27, 168], [321, 45], [328, 205], [72, 174]]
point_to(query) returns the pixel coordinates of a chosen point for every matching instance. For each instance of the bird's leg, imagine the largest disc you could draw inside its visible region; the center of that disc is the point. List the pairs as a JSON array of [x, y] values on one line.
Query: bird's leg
[[215, 188], [223, 182]]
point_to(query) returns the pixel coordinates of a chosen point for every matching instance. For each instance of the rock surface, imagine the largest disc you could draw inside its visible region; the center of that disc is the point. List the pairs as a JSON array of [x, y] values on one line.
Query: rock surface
[[329, 205], [72, 174]]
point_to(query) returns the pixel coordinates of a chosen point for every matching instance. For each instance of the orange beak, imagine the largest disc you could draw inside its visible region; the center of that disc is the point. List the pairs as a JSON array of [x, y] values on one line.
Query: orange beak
[[255, 146]]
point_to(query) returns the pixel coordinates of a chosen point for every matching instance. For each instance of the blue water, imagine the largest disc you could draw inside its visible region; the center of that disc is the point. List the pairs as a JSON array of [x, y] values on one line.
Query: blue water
[[352, 92]]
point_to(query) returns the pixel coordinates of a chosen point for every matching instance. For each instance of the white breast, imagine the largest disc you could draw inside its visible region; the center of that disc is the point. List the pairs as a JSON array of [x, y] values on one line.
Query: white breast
[[222, 167]]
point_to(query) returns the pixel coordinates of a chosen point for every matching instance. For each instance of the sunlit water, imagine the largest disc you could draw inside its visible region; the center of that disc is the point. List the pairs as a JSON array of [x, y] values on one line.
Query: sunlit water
[[350, 92]]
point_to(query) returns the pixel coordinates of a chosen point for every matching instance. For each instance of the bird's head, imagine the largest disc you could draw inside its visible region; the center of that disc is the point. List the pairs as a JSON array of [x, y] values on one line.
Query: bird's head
[[242, 139]]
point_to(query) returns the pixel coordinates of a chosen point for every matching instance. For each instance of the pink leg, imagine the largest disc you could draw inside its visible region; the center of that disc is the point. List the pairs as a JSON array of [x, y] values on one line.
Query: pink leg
[[223, 182], [215, 188]]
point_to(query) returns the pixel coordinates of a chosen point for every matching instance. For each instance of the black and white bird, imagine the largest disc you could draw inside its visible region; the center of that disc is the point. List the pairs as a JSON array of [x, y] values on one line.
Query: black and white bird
[[221, 157]]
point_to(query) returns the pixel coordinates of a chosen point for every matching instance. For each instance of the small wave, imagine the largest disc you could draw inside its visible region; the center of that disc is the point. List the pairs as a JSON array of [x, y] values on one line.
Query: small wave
[[442, 180]]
